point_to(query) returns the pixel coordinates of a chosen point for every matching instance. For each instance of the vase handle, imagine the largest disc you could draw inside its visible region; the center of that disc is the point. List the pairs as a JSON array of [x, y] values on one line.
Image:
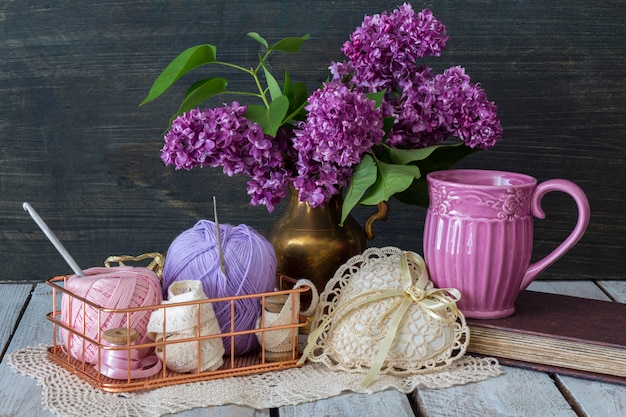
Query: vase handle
[[381, 214]]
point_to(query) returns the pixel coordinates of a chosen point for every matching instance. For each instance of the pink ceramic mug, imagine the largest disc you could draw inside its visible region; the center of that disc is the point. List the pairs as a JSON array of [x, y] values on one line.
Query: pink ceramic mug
[[478, 235]]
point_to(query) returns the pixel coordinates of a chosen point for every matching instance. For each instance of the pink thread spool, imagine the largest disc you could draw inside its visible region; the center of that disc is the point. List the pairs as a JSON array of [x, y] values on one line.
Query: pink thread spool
[[123, 364], [115, 288]]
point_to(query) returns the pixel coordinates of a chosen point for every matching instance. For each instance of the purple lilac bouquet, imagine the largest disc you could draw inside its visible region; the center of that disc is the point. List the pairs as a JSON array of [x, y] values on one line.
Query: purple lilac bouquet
[[374, 130]]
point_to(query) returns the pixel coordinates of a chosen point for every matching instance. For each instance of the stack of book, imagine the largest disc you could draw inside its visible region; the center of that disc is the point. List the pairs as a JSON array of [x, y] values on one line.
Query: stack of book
[[557, 333]]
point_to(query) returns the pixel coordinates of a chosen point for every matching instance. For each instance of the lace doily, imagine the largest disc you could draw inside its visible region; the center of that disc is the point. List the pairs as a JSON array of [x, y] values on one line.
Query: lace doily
[[65, 394], [380, 313]]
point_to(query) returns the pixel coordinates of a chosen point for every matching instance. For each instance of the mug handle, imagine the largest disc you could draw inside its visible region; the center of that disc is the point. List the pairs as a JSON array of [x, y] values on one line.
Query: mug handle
[[579, 230]]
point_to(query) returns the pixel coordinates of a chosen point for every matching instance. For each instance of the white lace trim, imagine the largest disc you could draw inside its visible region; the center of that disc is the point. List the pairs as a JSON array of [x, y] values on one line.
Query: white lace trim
[[182, 323], [65, 394], [281, 340]]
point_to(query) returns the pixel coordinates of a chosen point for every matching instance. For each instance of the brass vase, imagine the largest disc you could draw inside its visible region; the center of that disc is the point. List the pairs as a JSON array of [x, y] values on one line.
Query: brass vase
[[309, 242]]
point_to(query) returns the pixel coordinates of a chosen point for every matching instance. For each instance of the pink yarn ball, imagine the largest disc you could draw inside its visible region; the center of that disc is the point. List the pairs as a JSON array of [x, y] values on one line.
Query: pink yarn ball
[[115, 288]]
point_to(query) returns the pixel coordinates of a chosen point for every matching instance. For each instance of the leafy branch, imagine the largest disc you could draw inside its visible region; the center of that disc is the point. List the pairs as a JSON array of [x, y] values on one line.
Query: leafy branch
[[396, 173], [282, 105]]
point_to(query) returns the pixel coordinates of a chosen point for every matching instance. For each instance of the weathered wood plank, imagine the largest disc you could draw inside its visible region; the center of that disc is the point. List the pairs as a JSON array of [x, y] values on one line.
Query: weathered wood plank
[[14, 298], [385, 403], [518, 392], [226, 410], [34, 329], [596, 399], [616, 289], [584, 289], [20, 396], [509, 394]]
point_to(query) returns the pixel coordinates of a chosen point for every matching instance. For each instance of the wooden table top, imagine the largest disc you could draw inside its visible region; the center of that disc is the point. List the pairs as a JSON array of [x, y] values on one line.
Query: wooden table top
[[518, 392]]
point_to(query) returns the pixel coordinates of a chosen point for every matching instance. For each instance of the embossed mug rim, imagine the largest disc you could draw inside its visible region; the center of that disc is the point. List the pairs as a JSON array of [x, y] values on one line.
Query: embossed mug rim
[[483, 178]]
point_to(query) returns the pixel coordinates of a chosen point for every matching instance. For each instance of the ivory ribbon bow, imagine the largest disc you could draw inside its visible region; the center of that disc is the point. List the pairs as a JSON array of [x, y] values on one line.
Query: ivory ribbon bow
[[437, 303]]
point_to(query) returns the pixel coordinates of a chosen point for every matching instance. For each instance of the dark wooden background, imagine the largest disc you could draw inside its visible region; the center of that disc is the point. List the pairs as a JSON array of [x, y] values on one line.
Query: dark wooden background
[[75, 144]]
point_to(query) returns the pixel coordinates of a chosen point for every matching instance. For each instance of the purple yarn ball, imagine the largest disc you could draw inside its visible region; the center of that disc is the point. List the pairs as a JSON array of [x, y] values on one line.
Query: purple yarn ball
[[250, 263]]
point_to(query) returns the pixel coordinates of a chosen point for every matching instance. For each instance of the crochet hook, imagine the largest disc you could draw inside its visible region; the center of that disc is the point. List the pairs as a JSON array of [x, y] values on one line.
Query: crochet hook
[[54, 240], [219, 237]]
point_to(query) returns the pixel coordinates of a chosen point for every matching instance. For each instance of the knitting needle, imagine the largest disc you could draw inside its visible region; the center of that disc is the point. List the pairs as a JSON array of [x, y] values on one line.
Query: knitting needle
[[53, 239], [219, 237]]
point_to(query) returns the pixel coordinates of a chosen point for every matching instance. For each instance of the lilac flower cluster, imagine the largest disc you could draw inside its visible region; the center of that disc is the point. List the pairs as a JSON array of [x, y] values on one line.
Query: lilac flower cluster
[[384, 50], [341, 125], [318, 152], [382, 55], [468, 113], [224, 137], [442, 105]]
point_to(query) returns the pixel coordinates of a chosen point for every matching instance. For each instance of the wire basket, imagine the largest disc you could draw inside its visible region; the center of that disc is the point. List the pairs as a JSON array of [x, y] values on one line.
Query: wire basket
[[254, 362]]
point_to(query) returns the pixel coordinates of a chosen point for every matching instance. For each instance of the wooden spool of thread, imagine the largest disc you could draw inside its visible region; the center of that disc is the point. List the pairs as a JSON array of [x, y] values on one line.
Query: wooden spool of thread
[[125, 363], [278, 345], [120, 336], [274, 305]]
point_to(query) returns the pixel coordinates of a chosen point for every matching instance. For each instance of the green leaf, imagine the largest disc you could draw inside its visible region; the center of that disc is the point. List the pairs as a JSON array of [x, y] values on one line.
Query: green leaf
[[377, 97], [388, 124], [441, 156], [444, 157], [363, 177], [186, 61], [416, 194], [289, 45], [391, 179], [270, 118], [272, 84], [201, 91], [297, 95], [287, 86], [405, 156], [258, 38]]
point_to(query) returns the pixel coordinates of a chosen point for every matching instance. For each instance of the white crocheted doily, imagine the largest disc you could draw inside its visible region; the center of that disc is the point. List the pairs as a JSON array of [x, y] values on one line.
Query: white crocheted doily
[[66, 395], [383, 300]]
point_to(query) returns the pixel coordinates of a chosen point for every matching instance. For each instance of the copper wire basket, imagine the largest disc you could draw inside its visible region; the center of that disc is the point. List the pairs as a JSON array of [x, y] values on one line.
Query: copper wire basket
[[255, 362]]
